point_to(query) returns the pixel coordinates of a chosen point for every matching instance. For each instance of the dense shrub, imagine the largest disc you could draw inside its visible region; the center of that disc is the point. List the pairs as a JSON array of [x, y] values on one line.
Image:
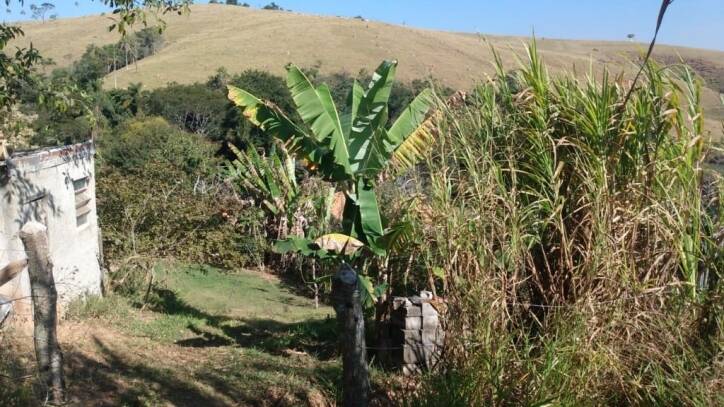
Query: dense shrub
[[62, 111], [158, 197], [195, 108], [205, 110], [119, 105]]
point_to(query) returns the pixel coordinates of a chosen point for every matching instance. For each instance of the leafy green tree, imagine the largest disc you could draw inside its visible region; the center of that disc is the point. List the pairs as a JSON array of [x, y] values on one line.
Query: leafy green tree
[[123, 104], [39, 11], [272, 6], [158, 196], [16, 69], [64, 110], [146, 42], [194, 108], [92, 66]]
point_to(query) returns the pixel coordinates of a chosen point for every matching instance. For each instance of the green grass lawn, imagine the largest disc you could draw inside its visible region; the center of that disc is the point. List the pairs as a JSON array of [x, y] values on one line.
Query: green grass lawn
[[250, 295], [197, 306]]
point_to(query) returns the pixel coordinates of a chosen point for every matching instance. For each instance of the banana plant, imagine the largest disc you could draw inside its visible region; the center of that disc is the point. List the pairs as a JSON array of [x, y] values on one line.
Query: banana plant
[[350, 148], [271, 178], [272, 182]]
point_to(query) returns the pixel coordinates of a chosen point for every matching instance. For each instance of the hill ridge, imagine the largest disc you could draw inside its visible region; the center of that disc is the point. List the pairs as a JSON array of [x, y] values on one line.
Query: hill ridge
[[239, 38]]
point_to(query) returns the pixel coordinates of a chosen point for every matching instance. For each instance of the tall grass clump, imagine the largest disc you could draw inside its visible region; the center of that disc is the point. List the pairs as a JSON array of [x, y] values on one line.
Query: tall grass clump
[[572, 243]]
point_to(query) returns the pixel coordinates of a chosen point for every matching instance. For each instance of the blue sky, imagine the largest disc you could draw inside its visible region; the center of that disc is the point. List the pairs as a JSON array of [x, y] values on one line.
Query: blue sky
[[695, 23]]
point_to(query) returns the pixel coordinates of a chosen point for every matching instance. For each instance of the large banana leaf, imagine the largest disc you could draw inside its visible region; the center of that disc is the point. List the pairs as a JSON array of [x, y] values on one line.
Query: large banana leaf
[[353, 100], [339, 243], [397, 237], [317, 110], [376, 150], [329, 246], [413, 133], [368, 292], [274, 123], [303, 246], [371, 116], [351, 222], [369, 213]]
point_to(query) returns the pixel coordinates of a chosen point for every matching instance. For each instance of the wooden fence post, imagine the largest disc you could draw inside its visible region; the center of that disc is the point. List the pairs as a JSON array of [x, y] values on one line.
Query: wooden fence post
[[45, 317], [346, 295]]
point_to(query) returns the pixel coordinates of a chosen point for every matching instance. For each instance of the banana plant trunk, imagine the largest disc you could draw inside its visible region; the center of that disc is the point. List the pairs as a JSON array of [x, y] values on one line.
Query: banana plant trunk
[[348, 306]]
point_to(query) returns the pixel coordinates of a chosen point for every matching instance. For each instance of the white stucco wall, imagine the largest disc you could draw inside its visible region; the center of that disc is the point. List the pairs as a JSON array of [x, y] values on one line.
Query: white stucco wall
[[39, 186]]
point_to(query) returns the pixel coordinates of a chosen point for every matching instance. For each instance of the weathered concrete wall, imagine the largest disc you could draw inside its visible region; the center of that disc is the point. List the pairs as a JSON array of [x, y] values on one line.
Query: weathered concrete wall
[[57, 188], [417, 336]]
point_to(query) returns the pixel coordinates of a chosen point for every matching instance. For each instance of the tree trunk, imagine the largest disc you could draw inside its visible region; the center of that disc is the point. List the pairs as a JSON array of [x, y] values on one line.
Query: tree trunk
[[44, 296], [346, 295]]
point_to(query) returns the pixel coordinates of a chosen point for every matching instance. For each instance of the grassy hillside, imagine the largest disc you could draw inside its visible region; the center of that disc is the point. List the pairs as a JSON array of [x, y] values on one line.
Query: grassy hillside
[[238, 38]]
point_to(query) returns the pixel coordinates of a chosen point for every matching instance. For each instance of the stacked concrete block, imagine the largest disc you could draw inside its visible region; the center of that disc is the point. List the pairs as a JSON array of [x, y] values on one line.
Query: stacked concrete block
[[417, 335]]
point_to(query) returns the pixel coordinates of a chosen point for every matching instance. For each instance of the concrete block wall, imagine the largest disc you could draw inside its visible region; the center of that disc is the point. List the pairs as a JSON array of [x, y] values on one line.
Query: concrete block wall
[[416, 333]]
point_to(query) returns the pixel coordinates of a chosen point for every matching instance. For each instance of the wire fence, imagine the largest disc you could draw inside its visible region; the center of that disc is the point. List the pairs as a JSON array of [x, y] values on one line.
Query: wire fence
[[87, 331]]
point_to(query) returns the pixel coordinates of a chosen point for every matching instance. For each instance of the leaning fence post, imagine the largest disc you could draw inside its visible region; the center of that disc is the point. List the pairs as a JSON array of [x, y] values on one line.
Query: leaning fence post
[[346, 295], [44, 297]]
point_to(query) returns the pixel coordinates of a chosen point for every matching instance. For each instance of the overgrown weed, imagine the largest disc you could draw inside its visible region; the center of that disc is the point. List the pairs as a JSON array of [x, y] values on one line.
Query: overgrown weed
[[581, 265]]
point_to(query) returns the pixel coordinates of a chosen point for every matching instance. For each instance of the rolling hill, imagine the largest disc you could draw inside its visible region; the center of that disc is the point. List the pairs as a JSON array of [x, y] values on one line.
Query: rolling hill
[[238, 38]]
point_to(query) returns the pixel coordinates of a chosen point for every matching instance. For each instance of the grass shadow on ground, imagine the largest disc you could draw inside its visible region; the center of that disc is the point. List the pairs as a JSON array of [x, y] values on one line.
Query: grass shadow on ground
[[115, 379], [313, 336], [202, 307]]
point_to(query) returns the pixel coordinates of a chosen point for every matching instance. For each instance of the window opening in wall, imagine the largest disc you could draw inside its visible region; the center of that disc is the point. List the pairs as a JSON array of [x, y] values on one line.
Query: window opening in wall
[[82, 201]]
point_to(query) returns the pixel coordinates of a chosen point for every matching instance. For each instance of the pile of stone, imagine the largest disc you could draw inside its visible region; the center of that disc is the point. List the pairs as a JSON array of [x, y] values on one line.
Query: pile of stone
[[416, 333]]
